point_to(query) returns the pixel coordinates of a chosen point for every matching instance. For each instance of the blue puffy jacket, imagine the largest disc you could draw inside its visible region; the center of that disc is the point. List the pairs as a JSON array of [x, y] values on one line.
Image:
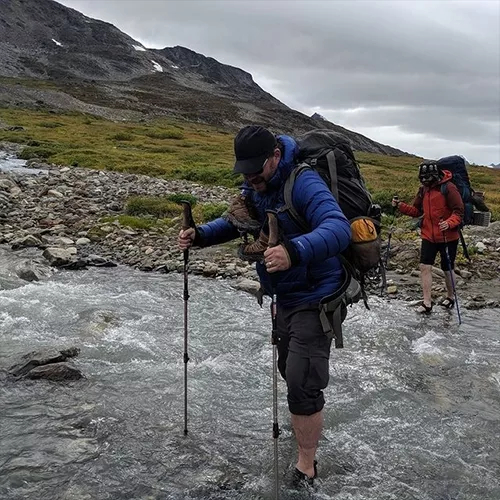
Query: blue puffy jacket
[[317, 272]]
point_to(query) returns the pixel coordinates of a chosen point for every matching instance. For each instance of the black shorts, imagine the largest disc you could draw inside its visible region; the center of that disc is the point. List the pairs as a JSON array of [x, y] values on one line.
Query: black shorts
[[304, 353], [429, 251]]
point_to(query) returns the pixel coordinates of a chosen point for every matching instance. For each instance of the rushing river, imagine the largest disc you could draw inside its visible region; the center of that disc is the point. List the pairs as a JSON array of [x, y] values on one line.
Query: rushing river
[[413, 405], [10, 164]]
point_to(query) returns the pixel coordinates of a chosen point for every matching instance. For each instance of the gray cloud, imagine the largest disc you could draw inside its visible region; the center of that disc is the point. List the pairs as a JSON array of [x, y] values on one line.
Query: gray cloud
[[409, 70]]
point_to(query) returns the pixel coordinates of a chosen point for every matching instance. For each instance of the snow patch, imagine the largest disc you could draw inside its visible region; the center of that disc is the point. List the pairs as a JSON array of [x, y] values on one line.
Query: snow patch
[[157, 66], [139, 47], [57, 43], [174, 66]]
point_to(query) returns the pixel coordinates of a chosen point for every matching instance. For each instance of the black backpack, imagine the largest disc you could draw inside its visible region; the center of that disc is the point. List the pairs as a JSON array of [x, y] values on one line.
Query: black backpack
[[460, 177], [331, 155]]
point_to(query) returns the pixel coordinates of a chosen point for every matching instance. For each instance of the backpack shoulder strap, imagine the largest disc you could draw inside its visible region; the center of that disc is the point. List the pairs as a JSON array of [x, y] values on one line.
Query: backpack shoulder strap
[[332, 168], [287, 194], [444, 188]]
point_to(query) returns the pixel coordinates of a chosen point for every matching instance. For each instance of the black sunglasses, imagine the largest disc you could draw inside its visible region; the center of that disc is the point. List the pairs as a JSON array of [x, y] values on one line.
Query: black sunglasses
[[259, 171]]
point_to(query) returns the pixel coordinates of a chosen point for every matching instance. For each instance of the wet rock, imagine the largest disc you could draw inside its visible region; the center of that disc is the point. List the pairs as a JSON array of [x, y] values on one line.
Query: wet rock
[[75, 264], [56, 372], [98, 261], [249, 286], [41, 358], [30, 270]]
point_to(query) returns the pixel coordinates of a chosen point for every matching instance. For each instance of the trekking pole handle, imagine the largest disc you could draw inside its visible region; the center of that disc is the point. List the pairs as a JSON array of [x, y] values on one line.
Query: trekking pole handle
[[272, 219], [187, 216]]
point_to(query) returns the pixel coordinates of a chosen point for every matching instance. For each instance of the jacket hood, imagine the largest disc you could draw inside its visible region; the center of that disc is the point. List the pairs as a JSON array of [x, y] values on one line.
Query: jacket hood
[[447, 177]]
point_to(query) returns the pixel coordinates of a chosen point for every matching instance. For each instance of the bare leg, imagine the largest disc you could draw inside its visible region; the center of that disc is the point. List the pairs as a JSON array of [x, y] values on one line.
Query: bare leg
[[449, 286], [426, 279], [307, 432]]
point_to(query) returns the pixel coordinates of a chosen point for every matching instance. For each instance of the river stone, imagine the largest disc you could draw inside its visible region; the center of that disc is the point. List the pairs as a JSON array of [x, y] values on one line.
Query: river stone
[[27, 241], [210, 269], [32, 271], [56, 194], [63, 241], [249, 286], [98, 261], [10, 186], [465, 274], [40, 358], [82, 241], [56, 372], [438, 272], [480, 247], [392, 289], [58, 257]]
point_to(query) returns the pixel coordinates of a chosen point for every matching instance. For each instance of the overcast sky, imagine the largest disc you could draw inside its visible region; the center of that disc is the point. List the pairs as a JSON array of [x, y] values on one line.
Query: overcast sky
[[422, 76]]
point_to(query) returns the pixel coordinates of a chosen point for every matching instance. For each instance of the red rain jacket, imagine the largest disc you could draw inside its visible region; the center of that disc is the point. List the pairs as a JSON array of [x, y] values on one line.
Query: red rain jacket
[[434, 206]]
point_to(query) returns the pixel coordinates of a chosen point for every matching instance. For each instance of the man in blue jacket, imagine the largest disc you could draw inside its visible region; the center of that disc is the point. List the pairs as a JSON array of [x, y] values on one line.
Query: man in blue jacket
[[303, 269]]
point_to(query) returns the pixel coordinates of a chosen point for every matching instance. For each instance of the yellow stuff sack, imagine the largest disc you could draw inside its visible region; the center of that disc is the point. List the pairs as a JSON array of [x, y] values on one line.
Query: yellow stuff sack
[[364, 250], [363, 229]]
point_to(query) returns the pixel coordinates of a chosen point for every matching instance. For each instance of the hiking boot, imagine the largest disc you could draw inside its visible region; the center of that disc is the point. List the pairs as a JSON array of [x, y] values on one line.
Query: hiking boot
[[300, 480], [242, 215], [254, 252]]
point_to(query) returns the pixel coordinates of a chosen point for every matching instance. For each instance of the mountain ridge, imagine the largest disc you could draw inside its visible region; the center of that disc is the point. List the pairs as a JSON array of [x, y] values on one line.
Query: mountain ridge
[[107, 71]]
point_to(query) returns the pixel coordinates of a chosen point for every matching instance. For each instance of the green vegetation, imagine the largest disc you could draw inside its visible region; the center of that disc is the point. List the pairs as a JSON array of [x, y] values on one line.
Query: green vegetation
[[159, 208], [163, 209], [179, 150], [163, 148]]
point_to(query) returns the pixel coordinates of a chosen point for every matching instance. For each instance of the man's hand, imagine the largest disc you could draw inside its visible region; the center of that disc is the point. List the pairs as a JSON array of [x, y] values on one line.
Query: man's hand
[[444, 226], [186, 238], [395, 201], [276, 259]]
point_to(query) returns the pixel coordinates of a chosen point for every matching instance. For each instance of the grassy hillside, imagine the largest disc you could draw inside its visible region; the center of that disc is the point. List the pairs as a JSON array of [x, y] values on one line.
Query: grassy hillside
[[200, 153]]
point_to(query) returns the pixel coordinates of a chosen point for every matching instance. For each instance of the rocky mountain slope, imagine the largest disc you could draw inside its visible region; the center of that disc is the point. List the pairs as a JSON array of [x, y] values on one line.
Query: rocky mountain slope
[[54, 56]]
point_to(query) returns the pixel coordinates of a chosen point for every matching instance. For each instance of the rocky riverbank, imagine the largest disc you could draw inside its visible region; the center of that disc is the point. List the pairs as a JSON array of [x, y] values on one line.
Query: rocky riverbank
[[61, 211]]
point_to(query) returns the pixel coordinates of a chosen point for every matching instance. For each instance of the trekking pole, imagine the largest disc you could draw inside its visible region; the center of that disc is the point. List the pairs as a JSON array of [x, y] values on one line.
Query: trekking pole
[[273, 241], [186, 224], [447, 253]]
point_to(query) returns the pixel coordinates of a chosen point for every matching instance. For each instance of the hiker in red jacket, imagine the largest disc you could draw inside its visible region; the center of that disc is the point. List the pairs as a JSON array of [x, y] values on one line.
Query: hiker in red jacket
[[442, 215]]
